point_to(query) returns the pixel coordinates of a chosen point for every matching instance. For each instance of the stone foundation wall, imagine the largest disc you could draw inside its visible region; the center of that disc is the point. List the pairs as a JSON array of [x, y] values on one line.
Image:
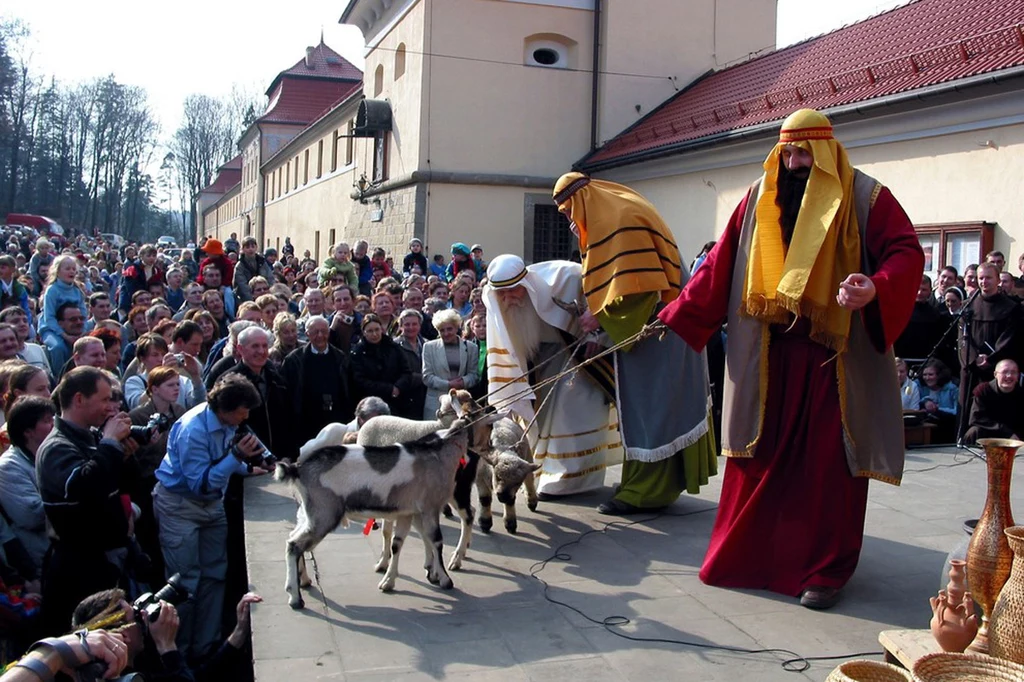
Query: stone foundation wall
[[402, 214]]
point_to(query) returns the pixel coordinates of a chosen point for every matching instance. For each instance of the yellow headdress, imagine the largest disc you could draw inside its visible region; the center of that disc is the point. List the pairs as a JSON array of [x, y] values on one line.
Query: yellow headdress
[[825, 246], [627, 247]]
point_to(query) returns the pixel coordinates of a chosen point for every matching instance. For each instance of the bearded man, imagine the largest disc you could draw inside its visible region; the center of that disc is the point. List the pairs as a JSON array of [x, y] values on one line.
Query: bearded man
[[631, 269], [816, 273], [990, 331], [574, 435]]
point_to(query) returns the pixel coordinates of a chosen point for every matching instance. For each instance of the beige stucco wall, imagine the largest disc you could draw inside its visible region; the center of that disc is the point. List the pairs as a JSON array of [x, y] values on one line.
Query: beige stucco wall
[[489, 216], [681, 40], [317, 207], [505, 117], [223, 218], [956, 178], [404, 93]]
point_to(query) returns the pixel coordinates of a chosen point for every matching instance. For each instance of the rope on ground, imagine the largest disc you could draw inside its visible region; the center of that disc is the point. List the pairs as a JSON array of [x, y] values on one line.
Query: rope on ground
[[794, 663]]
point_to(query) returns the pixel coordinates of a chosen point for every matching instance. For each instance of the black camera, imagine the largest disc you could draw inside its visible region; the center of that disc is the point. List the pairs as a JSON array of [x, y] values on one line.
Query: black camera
[[147, 607], [157, 424], [147, 610], [265, 459]]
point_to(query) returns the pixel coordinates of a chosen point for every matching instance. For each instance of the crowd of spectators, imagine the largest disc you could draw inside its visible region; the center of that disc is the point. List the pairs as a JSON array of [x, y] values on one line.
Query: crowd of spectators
[[138, 390], [965, 339]]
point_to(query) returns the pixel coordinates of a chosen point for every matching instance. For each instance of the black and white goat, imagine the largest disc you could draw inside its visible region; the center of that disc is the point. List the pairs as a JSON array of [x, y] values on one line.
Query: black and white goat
[[387, 430], [408, 484]]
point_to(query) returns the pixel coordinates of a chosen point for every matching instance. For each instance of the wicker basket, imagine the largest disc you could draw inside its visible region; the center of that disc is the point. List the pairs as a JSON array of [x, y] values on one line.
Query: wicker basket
[[950, 667], [868, 671]]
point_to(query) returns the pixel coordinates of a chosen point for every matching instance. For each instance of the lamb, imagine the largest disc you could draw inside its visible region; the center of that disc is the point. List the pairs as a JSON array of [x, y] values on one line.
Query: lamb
[[407, 484], [506, 463]]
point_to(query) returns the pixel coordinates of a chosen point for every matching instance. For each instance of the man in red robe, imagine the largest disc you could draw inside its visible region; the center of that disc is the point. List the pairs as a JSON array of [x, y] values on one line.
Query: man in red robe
[[816, 274]]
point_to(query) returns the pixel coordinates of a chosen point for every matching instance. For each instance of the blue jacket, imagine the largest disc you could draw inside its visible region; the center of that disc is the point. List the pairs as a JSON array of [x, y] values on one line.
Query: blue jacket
[[946, 398], [199, 459], [57, 294]]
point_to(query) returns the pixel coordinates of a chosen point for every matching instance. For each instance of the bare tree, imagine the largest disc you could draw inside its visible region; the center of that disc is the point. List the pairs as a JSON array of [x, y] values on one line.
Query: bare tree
[[202, 144]]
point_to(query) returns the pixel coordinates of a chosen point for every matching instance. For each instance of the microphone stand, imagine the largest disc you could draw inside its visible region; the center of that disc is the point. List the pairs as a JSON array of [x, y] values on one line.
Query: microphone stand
[[967, 315]]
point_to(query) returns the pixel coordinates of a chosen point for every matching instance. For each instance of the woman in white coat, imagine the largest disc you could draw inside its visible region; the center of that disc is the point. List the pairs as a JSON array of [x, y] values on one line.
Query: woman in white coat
[[448, 362]]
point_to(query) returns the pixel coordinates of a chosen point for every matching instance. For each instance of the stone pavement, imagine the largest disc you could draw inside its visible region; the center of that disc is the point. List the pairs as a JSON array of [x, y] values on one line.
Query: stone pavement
[[497, 625]]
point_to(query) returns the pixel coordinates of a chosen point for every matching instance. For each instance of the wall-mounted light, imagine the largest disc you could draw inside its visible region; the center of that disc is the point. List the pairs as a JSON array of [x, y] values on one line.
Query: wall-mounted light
[[362, 184]]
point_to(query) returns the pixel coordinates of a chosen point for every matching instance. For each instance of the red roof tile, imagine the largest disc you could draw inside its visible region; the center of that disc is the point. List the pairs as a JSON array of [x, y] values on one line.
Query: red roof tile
[[302, 101], [325, 64], [228, 175], [924, 43]]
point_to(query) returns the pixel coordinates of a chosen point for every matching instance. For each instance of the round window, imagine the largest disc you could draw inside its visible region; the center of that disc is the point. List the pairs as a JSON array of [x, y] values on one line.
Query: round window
[[546, 56]]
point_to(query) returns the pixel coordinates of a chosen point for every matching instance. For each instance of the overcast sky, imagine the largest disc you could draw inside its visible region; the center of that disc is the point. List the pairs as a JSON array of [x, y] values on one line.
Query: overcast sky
[[204, 46]]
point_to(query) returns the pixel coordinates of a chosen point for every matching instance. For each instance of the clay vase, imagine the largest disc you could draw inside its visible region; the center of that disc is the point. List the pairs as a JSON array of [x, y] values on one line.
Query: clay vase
[[954, 624], [1006, 631], [989, 557], [957, 581]]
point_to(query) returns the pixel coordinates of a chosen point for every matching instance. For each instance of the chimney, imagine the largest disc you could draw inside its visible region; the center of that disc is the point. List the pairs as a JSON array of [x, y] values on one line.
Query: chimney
[[309, 57]]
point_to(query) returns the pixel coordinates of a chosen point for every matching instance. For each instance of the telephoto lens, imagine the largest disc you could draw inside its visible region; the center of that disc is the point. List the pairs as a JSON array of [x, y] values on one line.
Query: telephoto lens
[[174, 593]]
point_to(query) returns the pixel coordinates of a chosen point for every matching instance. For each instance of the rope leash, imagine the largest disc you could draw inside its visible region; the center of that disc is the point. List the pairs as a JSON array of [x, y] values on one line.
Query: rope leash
[[649, 329]]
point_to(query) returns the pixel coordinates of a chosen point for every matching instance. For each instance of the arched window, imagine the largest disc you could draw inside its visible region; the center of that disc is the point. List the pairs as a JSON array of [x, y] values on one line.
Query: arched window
[[400, 61], [549, 50], [378, 80]]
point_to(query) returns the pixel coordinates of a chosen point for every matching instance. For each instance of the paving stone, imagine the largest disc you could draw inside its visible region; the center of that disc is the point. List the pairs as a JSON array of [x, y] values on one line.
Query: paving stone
[[497, 624]]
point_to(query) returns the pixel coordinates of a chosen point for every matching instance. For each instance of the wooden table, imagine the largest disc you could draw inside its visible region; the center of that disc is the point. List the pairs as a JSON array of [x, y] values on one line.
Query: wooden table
[[919, 434], [904, 647]]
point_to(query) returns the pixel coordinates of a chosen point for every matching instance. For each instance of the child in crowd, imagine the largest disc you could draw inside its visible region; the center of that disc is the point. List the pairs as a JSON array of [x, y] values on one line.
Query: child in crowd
[[437, 267], [414, 258], [362, 261], [380, 261], [339, 264], [215, 256]]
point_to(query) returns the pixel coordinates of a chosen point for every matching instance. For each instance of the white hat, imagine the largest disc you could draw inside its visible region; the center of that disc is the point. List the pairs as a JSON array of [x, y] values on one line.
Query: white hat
[[505, 271]]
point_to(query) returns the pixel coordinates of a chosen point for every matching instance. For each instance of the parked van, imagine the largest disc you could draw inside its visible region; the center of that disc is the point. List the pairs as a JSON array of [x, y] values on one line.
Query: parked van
[[115, 240], [41, 223]]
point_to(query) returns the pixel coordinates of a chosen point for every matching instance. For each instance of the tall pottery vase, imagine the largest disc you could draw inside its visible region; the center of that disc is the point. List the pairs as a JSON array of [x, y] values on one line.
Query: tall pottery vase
[[1006, 631], [989, 557]]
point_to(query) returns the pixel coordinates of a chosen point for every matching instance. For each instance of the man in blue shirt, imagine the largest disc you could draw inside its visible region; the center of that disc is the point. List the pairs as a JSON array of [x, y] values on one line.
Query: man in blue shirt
[[189, 506]]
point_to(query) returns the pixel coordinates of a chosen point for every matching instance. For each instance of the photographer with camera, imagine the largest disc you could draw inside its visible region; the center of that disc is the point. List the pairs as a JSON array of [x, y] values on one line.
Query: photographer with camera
[[78, 468], [202, 454], [157, 415], [152, 351], [149, 628]]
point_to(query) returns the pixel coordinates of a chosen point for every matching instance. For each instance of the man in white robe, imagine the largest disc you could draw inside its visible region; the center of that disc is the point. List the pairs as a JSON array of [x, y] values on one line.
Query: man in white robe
[[575, 437]]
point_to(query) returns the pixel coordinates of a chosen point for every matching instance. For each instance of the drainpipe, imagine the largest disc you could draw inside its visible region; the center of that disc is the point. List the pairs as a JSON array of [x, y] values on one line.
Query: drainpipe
[[596, 75]]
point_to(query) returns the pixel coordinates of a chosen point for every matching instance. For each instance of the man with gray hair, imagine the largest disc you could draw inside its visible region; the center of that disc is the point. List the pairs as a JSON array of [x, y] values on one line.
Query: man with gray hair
[[317, 378], [271, 420], [315, 304], [228, 358]]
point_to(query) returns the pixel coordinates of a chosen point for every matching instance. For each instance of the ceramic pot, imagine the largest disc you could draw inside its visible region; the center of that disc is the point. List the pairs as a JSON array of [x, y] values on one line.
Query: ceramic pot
[[1006, 631], [954, 624], [989, 557]]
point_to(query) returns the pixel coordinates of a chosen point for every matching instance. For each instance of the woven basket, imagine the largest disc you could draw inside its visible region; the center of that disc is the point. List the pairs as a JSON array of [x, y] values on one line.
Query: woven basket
[[950, 667], [868, 671]]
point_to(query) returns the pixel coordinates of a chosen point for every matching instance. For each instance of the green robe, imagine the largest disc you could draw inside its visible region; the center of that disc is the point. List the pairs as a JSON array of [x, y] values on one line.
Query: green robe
[[652, 485]]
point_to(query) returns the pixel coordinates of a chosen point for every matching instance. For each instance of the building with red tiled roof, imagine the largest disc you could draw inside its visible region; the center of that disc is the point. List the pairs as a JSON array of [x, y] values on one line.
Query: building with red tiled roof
[[927, 97], [319, 92]]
